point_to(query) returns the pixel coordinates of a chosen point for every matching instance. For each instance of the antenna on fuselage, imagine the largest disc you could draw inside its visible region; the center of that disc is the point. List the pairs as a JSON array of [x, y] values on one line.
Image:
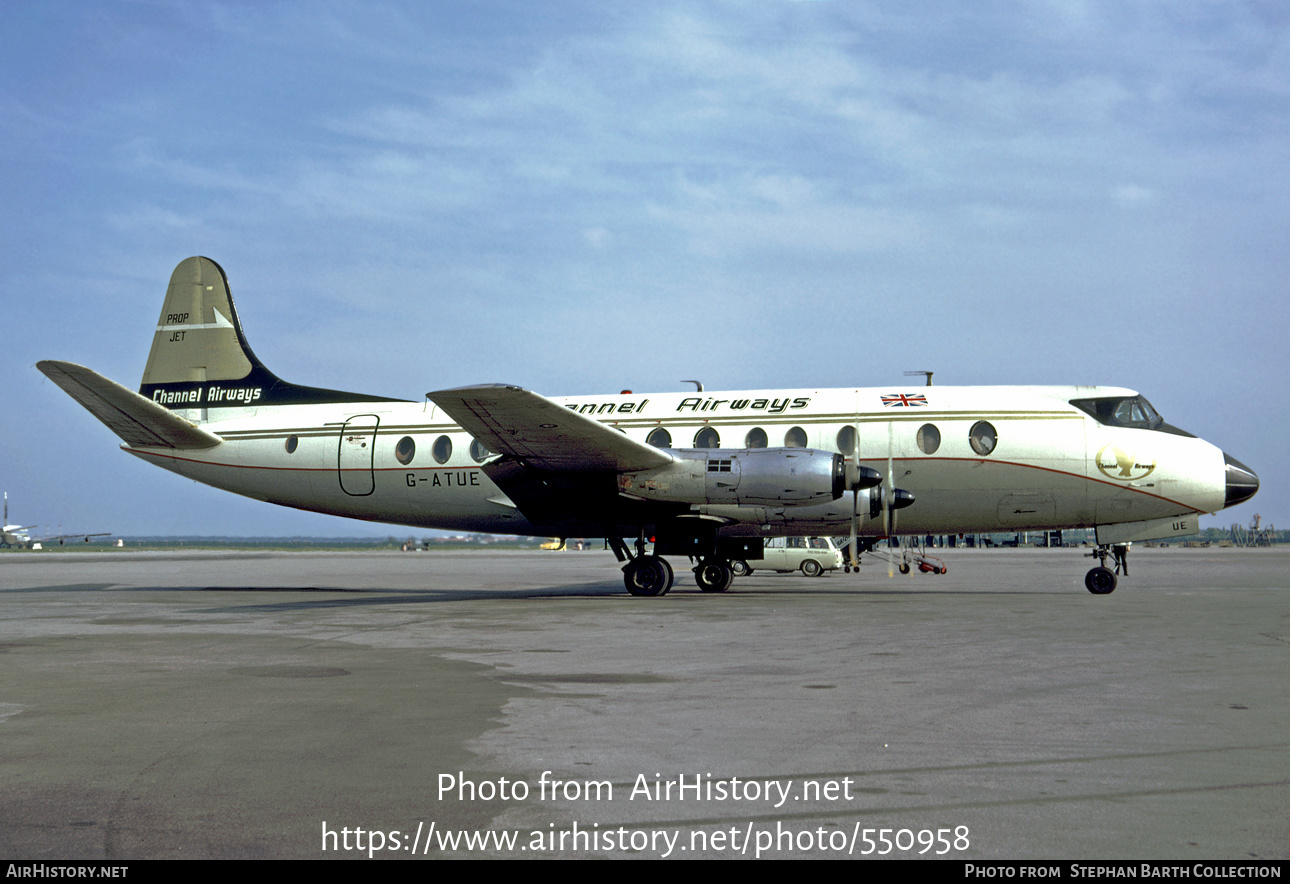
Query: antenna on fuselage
[[928, 374], [698, 385]]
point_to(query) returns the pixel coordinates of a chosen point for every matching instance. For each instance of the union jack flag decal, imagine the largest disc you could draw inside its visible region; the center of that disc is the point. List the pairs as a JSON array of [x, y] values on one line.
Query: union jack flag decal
[[903, 400]]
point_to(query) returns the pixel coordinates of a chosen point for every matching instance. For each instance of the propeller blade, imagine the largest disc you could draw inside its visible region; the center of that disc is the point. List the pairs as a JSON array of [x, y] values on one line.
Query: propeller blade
[[855, 495], [855, 517], [888, 515]]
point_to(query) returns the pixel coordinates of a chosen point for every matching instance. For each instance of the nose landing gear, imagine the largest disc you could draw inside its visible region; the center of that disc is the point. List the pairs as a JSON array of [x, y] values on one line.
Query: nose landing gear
[[1102, 580]]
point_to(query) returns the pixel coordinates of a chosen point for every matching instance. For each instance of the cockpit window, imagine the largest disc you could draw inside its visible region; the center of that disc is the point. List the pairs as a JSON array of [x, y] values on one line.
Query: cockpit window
[[1137, 412], [1134, 412], [1121, 411]]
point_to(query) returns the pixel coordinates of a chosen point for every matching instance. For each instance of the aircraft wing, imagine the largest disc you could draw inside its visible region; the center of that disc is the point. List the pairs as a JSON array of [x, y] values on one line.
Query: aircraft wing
[[136, 419], [542, 433]]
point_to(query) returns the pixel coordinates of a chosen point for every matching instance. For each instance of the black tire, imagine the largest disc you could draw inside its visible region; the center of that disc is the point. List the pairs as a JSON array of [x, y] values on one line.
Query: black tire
[[740, 567], [1100, 581], [904, 569], [811, 568], [714, 576], [671, 575], [648, 576]]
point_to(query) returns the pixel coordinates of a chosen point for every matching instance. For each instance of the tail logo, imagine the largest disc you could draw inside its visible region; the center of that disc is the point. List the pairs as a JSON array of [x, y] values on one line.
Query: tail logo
[[213, 395]]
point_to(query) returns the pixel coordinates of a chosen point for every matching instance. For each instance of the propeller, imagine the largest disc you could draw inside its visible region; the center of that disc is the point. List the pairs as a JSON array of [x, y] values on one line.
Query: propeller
[[893, 498], [888, 512], [858, 479]]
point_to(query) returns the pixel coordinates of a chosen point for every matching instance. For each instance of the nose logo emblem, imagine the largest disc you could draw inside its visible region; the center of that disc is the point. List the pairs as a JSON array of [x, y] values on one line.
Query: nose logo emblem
[[1116, 464]]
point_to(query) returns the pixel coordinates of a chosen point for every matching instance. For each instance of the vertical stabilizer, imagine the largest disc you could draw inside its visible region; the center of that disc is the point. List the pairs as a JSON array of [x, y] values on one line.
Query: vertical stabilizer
[[200, 358], [198, 337]]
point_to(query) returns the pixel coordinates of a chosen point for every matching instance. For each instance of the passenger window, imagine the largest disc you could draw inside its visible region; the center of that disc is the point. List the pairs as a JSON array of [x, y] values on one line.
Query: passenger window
[[293, 442], [795, 438], [983, 437], [707, 438], [479, 451], [929, 439], [756, 438], [847, 440], [442, 449], [405, 450], [659, 438]]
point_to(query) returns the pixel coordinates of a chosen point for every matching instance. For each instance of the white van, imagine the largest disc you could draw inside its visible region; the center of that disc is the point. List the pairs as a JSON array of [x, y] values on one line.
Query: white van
[[810, 555]]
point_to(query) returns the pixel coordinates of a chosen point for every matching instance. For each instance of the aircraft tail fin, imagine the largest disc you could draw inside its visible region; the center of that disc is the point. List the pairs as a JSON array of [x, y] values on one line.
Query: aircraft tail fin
[[200, 358], [137, 420], [198, 335]]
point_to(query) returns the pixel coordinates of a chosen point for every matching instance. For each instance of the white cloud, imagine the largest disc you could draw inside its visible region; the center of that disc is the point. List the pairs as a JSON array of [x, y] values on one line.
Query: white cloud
[[597, 237], [1130, 195]]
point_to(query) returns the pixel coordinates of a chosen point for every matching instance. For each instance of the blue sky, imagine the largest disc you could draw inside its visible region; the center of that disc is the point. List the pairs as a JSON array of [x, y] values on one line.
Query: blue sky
[[581, 197]]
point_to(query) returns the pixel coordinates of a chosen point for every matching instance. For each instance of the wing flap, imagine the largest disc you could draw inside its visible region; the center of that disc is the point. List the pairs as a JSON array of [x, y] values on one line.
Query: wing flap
[[137, 420], [543, 433]]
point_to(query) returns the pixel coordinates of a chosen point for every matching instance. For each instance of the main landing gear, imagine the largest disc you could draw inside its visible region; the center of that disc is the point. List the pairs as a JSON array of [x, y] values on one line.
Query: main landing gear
[[1102, 580], [650, 575]]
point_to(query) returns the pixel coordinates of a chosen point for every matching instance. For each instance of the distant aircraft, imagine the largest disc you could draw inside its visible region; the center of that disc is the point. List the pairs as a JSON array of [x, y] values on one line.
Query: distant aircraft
[[13, 535], [705, 475], [20, 536]]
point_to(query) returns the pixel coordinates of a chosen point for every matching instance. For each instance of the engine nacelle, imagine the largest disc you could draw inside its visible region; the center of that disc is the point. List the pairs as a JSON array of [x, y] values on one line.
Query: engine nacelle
[[745, 477]]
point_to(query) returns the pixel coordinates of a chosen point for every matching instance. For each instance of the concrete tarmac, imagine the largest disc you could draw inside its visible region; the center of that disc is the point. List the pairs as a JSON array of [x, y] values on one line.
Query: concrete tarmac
[[291, 705]]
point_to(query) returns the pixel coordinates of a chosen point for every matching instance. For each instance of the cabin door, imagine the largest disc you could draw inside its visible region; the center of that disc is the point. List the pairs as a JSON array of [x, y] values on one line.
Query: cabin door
[[356, 455]]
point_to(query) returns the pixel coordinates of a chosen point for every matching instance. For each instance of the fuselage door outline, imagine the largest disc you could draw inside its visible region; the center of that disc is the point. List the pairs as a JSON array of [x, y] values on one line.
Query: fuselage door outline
[[356, 455]]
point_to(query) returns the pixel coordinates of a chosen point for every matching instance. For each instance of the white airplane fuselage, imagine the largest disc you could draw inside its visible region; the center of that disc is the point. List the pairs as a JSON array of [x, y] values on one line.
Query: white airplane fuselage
[[705, 474], [1052, 466]]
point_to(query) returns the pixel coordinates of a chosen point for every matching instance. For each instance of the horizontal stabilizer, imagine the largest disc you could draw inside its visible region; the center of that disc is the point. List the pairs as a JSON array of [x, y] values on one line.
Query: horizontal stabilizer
[[137, 420], [544, 434]]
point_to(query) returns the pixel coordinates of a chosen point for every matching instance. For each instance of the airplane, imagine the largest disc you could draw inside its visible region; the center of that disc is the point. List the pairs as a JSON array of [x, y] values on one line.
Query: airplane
[[13, 535], [20, 535], [704, 475]]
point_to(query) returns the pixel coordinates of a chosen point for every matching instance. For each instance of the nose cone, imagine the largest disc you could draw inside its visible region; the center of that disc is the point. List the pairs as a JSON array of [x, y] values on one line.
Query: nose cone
[[1241, 481]]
